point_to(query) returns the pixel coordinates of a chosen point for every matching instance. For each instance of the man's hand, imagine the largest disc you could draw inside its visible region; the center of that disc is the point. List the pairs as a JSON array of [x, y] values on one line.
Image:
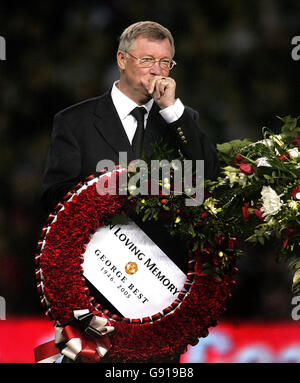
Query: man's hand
[[162, 89]]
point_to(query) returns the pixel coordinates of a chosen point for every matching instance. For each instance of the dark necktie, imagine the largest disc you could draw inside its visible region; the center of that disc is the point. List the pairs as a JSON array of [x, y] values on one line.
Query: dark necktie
[[137, 142]]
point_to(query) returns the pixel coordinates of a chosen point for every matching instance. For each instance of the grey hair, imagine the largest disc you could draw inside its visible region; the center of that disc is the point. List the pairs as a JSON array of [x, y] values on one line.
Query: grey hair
[[149, 29]]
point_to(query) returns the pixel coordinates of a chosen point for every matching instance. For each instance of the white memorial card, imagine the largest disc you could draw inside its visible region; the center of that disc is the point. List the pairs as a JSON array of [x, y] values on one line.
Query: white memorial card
[[130, 270]]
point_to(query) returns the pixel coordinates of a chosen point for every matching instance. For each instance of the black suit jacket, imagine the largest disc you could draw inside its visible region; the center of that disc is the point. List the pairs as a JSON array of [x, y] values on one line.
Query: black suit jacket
[[90, 131]]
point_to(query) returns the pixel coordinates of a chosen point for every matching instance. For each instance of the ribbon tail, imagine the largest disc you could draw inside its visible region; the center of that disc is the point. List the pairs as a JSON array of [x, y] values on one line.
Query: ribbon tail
[[72, 349], [103, 345], [46, 353]]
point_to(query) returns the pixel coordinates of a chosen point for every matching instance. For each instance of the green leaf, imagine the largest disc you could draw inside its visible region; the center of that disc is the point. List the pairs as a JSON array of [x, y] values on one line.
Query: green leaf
[[224, 148], [196, 245], [146, 215]]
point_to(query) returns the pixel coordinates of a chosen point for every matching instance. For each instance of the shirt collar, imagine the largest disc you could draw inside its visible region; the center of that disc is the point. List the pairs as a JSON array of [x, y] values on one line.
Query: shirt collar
[[124, 104]]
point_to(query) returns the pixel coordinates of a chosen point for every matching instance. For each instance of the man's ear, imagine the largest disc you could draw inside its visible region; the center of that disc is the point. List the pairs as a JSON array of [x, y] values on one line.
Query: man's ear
[[121, 60]]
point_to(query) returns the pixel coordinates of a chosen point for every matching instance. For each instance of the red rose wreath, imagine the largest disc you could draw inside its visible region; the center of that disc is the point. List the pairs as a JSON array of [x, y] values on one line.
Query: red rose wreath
[[86, 330]]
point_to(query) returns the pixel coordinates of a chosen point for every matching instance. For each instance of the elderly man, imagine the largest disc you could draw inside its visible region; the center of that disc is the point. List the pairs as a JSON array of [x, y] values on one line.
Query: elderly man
[[140, 109]]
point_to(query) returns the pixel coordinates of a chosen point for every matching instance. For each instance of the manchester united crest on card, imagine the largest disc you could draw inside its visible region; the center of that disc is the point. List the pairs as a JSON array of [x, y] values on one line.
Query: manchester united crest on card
[[131, 268]]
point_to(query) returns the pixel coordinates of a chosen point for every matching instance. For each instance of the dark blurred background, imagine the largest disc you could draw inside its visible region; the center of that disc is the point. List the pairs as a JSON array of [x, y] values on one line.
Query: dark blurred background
[[234, 67]]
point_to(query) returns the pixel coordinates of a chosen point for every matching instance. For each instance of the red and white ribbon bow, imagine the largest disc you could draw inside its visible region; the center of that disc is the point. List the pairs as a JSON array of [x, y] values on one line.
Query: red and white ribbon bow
[[85, 337]]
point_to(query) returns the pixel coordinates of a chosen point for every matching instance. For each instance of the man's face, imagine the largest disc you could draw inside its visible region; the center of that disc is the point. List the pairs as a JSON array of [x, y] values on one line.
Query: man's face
[[134, 78]]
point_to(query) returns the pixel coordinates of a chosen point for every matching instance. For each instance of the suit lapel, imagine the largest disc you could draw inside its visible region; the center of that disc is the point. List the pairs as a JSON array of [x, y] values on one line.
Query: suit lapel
[[109, 125]]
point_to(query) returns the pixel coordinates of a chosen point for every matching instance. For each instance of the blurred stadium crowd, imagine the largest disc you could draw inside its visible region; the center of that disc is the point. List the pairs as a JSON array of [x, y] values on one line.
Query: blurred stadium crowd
[[234, 67]]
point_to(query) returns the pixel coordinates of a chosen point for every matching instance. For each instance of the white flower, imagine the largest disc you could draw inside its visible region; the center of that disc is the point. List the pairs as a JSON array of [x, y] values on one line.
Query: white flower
[[293, 153], [269, 142], [293, 204], [243, 179], [266, 142], [263, 161], [231, 173], [271, 222], [166, 185], [132, 189], [233, 178], [209, 204], [271, 201]]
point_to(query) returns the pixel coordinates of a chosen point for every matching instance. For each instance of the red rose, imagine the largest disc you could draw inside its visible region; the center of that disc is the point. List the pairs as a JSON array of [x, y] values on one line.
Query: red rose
[[231, 243], [204, 215], [246, 169], [295, 191], [284, 157], [246, 212], [290, 231], [239, 159], [258, 213], [296, 141]]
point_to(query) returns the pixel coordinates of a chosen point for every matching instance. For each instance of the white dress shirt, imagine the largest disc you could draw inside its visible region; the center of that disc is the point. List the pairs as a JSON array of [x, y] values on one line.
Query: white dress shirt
[[124, 105]]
